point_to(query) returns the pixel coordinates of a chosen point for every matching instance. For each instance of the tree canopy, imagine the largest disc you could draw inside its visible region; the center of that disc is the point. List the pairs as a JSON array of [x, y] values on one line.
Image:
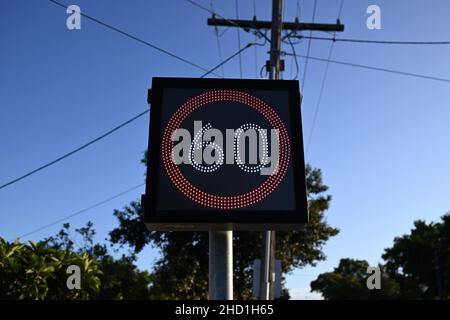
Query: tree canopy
[[348, 281], [417, 266], [181, 272], [39, 270], [420, 261]]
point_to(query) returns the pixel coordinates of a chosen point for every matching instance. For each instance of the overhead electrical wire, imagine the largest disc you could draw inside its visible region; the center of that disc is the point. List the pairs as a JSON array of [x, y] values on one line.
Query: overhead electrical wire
[[214, 13], [223, 32], [166, 52], [55, 161], [374, 41], [239, 38], [120, 126], [362, 66], [71, 153], [291, 43], [340, 10], [256, 32], [230, 57], [319, 100], [76, 213], [262, 76], [68, 154], [305, 69], [322, 86], [297, 68], [298, 10], [256, 48], [219, 47]]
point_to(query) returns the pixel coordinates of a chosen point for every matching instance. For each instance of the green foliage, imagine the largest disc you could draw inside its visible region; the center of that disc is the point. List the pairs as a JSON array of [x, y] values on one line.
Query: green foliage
[[348, 281], [37, 271], [120, 278], [181, 271], [420, 261], [417, 266]]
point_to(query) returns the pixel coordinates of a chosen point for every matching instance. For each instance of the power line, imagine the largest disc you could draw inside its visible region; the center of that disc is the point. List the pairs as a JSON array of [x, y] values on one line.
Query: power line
[[229, 58], [123, 124], [213, 13], [223, 32], [297, 68], [319, 100], [80, 211], [115, 128], [112, 130], [291, 43], [340, 9], [309, 48], [416, 75], [135, 38], [238, 38], [256, 32], [219, 47], [256, 48], [297, 10], [262, 76], [374, 41]]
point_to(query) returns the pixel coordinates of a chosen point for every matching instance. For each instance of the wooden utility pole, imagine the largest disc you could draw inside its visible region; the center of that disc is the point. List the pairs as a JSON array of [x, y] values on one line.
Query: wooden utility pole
[[275, 67]]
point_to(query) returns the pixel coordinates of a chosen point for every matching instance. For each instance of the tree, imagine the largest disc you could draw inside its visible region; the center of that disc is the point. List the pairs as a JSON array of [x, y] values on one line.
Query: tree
[[420, 261], [119, 278], [349, 281], [182, 269], [38, 271], [417, 266]]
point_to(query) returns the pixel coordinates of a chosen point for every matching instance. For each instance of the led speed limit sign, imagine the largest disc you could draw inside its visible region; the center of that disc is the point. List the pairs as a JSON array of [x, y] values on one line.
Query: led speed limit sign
[[225, 154]]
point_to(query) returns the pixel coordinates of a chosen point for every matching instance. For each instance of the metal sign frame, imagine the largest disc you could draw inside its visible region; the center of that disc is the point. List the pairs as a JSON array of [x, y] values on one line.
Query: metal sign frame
[[221, 219]]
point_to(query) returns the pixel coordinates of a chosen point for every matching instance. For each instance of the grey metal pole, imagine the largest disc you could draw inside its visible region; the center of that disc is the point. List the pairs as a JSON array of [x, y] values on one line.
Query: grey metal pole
[[275, 42], [220, 265], [268, 259], [265, 285], [267, 270]]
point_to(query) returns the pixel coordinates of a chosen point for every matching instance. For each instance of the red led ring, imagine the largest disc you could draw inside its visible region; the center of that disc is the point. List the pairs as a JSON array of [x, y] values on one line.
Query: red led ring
[[217, 201]]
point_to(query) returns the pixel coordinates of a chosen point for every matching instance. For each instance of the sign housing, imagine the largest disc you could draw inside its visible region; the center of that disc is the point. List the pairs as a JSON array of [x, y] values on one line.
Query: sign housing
[[225, 154]]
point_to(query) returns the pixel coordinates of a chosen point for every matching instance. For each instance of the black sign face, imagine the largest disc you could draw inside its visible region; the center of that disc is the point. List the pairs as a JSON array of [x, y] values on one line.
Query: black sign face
[[225, 154]]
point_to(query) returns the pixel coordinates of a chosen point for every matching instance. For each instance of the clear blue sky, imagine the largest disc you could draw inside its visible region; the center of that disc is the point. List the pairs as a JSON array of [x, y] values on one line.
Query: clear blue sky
[[382, 140]]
